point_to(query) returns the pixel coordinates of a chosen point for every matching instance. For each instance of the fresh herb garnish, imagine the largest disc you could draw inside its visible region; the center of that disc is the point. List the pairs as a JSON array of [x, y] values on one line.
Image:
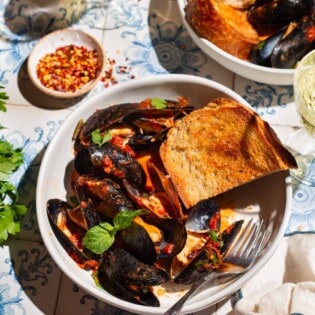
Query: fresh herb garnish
[[101, 237], [3, 98], [213, 235], [10, 159], [158, 103], [99, 138], [11, 212]]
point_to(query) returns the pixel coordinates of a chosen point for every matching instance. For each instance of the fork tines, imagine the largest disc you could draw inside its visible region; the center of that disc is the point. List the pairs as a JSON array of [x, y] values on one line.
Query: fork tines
[[249, 242]]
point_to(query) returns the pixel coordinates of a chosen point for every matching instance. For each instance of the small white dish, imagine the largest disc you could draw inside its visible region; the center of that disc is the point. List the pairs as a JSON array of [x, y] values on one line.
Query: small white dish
[[65, 37], [241, 67], [255, 200]]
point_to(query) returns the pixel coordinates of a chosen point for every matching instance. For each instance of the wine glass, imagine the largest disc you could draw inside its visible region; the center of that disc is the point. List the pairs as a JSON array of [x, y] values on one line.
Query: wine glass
[[302, 142]]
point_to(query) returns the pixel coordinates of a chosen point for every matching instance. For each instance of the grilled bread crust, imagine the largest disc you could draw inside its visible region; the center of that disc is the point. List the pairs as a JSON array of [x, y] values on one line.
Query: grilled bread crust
[[225, 26], [220, 147]]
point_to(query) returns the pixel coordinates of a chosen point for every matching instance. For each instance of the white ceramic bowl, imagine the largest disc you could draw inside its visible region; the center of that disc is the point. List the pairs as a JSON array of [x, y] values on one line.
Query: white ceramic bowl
[[52, 41], [241, 67], [268, 198]]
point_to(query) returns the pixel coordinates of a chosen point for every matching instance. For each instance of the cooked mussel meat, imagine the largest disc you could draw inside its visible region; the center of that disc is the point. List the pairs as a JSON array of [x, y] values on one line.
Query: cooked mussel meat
[[158, 203]]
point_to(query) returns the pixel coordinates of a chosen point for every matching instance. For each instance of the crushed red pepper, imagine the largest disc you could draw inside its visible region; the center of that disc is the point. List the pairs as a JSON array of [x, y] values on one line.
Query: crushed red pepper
[[68, 68]]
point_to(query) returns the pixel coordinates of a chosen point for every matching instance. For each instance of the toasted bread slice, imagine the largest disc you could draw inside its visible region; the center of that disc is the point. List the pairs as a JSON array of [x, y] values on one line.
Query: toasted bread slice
[[223, 25], [220, 147]]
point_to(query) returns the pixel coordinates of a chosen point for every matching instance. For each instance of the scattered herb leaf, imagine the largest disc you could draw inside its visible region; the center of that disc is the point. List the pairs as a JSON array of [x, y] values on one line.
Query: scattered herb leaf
[[100, 139], [3, 98], [158, 103], [11, 212], [10, 159], [101, 237]]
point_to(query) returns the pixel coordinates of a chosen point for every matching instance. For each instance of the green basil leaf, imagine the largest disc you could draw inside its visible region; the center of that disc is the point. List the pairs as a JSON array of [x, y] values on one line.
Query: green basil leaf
[[124, 218], [100, 139], [158, 103], [98, 239]]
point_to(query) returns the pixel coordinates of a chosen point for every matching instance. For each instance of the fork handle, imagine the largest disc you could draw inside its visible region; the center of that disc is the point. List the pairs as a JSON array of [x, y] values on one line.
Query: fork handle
[[175, 309]]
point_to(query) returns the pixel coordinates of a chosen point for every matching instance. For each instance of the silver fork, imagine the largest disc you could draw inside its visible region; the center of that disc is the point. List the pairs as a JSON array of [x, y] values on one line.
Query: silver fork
[[241, 255]]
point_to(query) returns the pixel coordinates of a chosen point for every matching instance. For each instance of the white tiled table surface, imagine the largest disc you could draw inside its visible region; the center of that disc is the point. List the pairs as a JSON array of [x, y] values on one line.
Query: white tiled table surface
[[146, 38]]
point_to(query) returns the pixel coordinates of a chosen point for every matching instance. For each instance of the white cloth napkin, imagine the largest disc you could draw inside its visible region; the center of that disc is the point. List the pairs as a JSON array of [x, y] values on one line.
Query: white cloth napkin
[[286, 284]]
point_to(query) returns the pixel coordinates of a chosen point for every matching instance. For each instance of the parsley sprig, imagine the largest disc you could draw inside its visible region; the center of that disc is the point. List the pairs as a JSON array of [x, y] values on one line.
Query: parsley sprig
[[158, 103], [99, 138], [11, 212], [101, 237]]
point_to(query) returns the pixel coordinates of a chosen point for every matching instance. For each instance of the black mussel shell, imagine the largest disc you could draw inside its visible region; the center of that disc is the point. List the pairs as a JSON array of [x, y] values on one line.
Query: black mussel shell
[[201, 265], [124, 276], [107, 196], [262, 52], [196, 269], [277, 13], [137, 241], [229, 234], [200, 215], [295, 45], [174, 235], [109, 160], [57, 210]]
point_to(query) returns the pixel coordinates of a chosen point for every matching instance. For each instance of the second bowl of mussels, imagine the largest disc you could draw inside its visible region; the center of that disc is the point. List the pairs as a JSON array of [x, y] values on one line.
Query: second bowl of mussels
[[285, 29]]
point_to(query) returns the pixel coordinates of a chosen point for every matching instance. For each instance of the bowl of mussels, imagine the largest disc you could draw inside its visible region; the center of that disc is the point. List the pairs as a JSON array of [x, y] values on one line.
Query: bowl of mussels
[[102, 194], [281, 33]]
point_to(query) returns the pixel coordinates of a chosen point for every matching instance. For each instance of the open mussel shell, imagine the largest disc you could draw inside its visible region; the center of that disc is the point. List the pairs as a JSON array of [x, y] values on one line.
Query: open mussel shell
[[194, 271], [174, 235], [107, 196], [66, 230], [202, 262], [229, 235], [202, 215], [109, 160], [126, 113], [102, 119], [150, 238], [123, 275], [262, 53]]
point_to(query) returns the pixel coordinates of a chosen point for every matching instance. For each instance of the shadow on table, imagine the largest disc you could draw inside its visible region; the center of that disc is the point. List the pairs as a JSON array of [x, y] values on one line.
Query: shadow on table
[[31, 19], [39, 99], [174, 49]]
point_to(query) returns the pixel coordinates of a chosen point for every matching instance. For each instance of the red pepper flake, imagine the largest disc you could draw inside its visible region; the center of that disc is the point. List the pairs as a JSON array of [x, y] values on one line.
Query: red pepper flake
[[68, 68], [213, 222], [168, 249], [310, 34]]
